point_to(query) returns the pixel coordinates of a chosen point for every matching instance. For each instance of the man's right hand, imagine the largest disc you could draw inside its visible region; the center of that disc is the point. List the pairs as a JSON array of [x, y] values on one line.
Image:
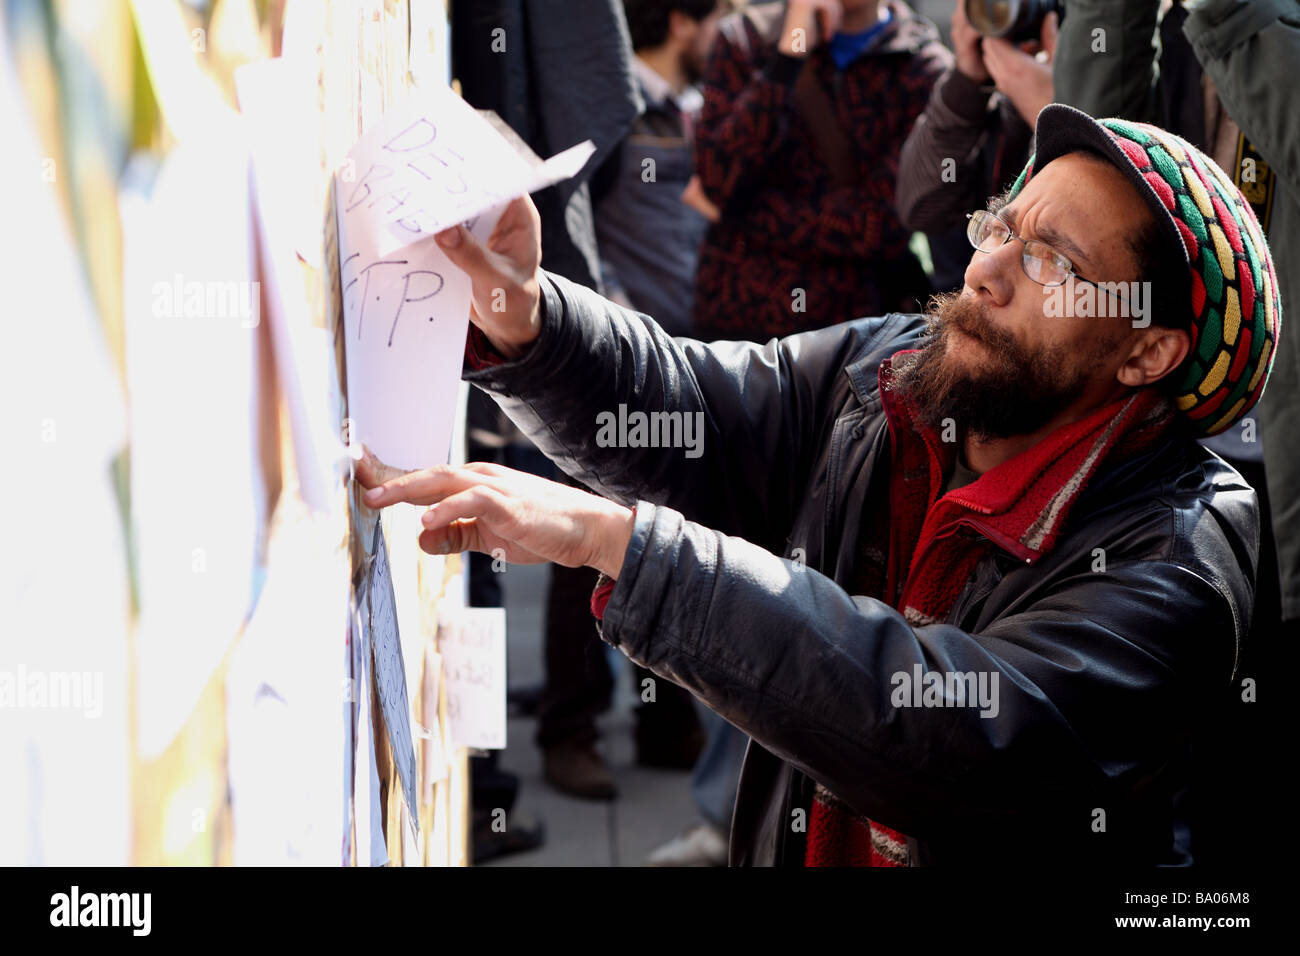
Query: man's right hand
[[505, 276]]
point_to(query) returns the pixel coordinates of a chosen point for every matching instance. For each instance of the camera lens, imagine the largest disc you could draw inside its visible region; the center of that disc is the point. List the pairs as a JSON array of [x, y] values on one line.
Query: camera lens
[[992, 17], [1014, 20]]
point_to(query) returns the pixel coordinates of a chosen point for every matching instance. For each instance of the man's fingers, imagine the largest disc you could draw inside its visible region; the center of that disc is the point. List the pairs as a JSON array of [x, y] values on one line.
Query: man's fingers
[[1000, 60], [995, 47], [370, 471], [364, 470], [1003, 51], [468, 534], [459, 536], [433, 484], [1051, 23], [420, 487], [479, 501], [469, 255], [519, 216], [489, 468]]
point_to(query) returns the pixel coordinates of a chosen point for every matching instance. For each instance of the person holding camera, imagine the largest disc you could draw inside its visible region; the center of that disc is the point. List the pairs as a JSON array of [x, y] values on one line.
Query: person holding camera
[[973, 137]]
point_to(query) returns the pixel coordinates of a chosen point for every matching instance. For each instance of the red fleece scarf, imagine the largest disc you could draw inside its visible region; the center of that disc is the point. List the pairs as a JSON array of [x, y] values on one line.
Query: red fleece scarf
[[921, 559]]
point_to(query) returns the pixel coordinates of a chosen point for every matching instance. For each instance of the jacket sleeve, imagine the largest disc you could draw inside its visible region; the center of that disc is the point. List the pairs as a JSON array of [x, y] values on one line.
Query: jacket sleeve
[[1249, 49], [1086, 698], [753, 411], [948, 130], [1105, 61]]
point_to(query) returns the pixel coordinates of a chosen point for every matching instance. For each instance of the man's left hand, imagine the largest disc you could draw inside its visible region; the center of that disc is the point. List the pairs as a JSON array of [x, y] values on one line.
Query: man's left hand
[[496, 510]]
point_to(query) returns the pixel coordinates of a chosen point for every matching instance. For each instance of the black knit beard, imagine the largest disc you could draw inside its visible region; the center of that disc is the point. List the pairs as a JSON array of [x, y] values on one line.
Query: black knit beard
[[1015, 392]]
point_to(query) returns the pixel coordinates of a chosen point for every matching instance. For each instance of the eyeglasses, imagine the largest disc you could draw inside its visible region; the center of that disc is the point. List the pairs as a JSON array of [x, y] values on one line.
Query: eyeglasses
[[1040, 261]]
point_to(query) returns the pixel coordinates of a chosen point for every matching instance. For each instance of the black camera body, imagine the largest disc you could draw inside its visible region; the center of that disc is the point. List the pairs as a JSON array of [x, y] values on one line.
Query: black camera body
[[1015, 20]]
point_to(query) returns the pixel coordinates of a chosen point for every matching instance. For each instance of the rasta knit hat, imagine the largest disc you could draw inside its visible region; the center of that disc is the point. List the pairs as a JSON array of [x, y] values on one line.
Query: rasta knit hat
[[1235, 313]]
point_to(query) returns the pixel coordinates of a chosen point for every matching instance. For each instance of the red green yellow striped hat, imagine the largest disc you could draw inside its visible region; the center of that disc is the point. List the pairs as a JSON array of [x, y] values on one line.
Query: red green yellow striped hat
[[1236, 314]]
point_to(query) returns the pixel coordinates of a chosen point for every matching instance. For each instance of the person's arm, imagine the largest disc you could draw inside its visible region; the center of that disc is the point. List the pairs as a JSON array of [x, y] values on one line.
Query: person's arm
[[1088, 677], [938, 168], [1105, 61], [750, 411], [1248, 48], [571, 368]]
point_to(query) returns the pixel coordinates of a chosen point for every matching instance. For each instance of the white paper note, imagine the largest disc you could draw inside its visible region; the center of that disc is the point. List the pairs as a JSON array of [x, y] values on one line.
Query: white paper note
[[472, 642], [431, 162]]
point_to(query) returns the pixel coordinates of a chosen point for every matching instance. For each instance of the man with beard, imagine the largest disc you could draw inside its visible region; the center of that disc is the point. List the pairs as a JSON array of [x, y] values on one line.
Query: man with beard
[[1011, 579]]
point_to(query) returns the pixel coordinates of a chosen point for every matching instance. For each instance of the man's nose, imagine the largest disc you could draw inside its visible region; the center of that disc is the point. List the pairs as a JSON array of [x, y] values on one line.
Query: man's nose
[[995, 272]]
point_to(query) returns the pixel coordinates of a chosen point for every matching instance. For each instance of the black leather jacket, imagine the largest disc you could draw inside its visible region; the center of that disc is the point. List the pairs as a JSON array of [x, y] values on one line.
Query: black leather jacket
[[1101, 671]]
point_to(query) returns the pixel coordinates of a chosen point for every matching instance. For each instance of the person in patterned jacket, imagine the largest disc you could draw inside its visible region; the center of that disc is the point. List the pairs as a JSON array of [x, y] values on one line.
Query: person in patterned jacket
[[797, 146]]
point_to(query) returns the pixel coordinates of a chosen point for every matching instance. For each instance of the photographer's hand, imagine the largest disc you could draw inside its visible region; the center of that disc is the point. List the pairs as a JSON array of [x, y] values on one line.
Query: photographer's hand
[[1025, 79], [966, 46]]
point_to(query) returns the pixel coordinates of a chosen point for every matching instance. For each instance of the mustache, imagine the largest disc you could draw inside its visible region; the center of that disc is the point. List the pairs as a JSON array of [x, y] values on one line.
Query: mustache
[[1013, 390], [950, 311]]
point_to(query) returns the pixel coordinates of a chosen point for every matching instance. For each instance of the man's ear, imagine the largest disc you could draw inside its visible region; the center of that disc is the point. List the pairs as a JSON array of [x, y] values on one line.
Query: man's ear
[[1155, 353]]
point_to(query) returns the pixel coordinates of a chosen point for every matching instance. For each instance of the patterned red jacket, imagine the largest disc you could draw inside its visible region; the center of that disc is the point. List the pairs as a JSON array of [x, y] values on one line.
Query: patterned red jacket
[[785, 225]]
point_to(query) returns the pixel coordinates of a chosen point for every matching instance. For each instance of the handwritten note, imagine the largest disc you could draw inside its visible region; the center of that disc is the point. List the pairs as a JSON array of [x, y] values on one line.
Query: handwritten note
[[472, 642], [430, 163]]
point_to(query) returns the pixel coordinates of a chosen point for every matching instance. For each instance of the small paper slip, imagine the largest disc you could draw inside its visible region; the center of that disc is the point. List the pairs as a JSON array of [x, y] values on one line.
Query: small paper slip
[[472, 642], [390, 673], [430, 163], [429, 731]]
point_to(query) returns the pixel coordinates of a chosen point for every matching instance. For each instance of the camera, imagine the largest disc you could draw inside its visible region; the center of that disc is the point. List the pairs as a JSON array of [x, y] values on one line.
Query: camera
[[1013, 20]]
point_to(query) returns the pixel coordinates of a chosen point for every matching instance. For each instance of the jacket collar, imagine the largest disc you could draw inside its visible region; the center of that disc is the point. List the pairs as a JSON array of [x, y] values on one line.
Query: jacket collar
[[899, 330], [658, 92]]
